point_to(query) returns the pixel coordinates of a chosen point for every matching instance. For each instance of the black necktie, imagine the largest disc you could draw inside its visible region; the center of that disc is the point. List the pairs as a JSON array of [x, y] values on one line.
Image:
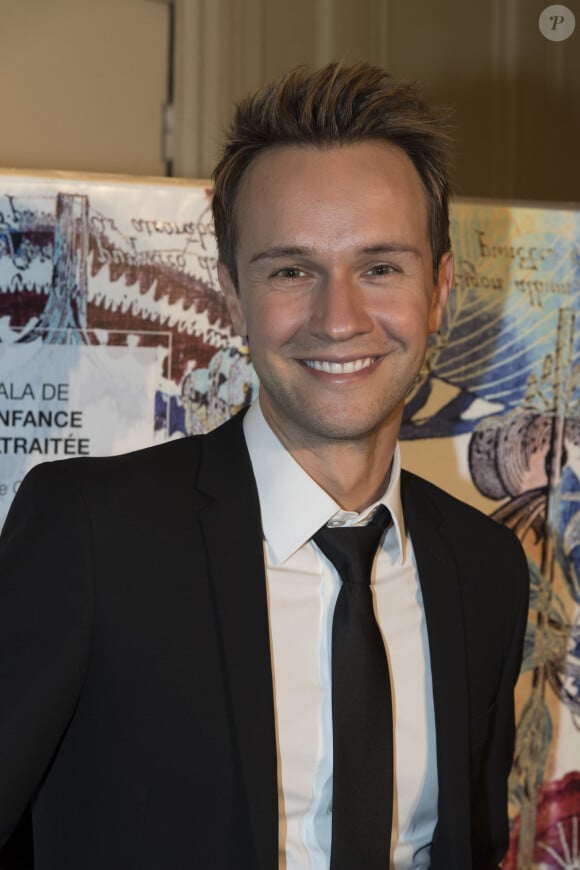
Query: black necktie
[[362, 718]]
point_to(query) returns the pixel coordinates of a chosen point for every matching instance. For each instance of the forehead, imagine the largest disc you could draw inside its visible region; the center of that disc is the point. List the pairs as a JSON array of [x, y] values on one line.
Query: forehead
[[324, 192]]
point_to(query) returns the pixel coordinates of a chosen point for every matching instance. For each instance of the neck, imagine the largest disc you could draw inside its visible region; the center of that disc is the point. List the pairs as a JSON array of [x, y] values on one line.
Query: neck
[[354, 472]]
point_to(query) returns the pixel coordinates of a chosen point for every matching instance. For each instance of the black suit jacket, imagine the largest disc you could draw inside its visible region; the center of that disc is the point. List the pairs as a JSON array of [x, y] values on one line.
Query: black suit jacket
[[135, 677]]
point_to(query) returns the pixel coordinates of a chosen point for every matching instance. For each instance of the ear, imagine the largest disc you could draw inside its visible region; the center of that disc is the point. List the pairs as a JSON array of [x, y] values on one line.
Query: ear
[[441, 291], [232, 299]]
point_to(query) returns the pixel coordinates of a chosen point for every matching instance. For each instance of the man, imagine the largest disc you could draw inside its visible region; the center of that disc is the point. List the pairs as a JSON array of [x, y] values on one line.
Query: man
[[166, 675]]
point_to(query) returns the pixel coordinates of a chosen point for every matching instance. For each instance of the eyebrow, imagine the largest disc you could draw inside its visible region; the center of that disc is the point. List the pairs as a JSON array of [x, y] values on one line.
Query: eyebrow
[[300, 251], [282, 251]]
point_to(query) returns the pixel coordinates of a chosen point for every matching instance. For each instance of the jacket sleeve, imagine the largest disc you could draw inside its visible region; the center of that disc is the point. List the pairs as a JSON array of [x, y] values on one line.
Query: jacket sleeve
[[491, 762], [46, 606]]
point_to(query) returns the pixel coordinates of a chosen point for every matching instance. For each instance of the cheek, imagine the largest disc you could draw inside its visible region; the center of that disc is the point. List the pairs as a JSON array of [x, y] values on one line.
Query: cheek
[[408, 321], [274, 322]]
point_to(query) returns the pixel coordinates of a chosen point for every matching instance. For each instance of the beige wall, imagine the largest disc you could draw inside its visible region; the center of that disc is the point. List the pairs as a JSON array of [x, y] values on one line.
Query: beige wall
[[83, 83], [84, 80], [516, 95]]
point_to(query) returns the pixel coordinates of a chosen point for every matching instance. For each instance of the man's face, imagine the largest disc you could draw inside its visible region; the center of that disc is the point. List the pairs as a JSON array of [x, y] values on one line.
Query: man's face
[[336, 292]]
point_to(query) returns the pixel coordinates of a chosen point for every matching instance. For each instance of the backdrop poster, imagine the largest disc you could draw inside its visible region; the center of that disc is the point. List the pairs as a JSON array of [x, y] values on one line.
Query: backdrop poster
[[113, 335], [495, 418]]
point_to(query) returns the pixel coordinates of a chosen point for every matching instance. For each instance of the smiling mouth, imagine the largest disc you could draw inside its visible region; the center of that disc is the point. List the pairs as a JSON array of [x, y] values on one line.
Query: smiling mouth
[[340, 368]]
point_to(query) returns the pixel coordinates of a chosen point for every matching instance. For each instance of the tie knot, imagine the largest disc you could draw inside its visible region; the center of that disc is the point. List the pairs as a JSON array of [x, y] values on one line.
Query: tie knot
[[352, 549]]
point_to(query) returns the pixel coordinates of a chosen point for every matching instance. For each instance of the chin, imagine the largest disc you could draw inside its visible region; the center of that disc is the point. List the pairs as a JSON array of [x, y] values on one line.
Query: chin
[[348, 427]]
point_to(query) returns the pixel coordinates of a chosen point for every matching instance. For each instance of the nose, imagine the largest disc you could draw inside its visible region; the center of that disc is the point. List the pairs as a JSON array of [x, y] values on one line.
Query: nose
[[339, 310]]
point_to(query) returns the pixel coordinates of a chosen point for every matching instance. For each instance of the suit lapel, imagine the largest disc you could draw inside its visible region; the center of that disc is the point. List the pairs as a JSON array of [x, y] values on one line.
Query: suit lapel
[[232, 530], [238, 575], [443, 612]]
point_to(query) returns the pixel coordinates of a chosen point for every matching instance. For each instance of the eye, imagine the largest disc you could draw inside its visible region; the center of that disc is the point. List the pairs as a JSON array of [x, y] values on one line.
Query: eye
[[382, 269], [290, 273]]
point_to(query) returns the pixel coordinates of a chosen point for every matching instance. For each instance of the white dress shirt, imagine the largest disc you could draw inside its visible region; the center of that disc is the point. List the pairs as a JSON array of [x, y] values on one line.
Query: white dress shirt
[[302, 588]]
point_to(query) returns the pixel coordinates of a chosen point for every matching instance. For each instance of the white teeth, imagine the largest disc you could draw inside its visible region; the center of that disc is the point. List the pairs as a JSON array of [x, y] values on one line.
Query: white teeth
[[337, 368]]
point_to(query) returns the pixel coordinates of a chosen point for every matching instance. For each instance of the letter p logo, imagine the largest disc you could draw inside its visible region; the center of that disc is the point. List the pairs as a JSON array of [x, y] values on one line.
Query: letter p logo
[[557, 23]]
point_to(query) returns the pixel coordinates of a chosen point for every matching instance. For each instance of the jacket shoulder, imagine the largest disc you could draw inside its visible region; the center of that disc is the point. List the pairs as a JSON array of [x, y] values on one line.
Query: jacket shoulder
[[159, 460], [459, 514]]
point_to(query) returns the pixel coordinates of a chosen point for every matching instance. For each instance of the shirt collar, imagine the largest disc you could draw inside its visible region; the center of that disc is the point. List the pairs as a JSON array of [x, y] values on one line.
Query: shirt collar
[[292, 504]]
